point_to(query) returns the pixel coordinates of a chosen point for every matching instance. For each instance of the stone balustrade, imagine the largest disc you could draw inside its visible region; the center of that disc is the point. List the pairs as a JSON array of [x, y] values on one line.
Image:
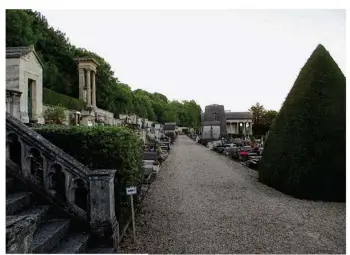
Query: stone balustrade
[[80, 192]]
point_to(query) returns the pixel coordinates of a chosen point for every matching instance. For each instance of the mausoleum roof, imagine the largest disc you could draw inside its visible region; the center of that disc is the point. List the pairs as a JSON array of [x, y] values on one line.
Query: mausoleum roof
[[239, 115], [18, 52], [87, 59]]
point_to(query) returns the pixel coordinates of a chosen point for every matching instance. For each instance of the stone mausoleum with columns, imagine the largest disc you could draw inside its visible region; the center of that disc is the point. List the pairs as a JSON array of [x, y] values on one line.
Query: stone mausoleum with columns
[[87, 89], [231, 123]]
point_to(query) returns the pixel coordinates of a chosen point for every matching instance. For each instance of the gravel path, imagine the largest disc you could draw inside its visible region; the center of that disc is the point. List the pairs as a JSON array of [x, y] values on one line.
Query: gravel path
[[202, 202]]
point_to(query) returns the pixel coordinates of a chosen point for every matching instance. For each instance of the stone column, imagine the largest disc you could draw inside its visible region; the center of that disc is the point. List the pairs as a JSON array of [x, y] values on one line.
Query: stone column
[[93, 88], [34, 116], [102, 205], [88, 85], [16, 105], [8, 102], [81, 84]]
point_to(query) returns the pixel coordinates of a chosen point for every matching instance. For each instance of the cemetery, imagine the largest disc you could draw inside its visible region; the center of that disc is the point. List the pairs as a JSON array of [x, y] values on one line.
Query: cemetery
[[89, 160], [50, 193]]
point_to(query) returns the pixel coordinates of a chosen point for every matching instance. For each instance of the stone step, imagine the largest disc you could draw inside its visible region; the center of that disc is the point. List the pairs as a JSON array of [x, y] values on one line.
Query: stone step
[[16, 202], [72, 244], [49, 235], [38, 213]]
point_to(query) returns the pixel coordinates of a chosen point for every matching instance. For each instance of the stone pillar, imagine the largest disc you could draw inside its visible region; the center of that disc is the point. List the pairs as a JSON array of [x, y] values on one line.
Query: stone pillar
[[93, 88], [88, 85], [34, 116], [81, 84], [102, 205], [8, 103], [16, 105]]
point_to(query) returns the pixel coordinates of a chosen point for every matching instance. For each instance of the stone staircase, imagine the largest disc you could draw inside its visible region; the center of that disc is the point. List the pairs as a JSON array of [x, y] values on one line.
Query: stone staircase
[[57, 205], [42, 229]]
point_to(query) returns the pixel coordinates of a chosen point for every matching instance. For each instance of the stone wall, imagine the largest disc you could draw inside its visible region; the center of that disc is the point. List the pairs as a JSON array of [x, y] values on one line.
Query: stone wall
[[12, 73], [31, 69]]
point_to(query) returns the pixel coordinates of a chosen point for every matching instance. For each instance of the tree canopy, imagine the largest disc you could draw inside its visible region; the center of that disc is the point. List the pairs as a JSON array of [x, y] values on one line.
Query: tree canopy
[[262, 119], [304, 154], [27, 27]]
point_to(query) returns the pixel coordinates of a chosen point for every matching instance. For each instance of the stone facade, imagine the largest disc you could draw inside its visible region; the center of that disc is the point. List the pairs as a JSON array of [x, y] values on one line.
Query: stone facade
[[24, 73], [216, 112], [239, 123], [231, 123]]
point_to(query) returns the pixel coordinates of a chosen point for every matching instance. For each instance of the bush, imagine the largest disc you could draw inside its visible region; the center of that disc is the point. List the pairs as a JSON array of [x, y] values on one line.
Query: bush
[[103, 147], [53, 98], [55, 115], [304, 155]]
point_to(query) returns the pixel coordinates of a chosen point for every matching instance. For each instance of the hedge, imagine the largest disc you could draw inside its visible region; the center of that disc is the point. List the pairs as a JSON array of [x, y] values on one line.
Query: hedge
[[53, 98], [304, 154], [103, 147]]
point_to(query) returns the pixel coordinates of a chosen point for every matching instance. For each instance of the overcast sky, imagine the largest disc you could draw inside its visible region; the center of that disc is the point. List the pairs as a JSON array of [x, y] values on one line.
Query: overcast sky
[[230, 57]]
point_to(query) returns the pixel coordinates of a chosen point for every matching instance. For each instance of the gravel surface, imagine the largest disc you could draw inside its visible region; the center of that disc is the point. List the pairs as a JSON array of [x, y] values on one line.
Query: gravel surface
[[202, 202]]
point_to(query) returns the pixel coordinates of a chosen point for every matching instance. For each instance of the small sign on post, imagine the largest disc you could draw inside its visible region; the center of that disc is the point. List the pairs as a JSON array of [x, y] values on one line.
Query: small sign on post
[[132, 191]]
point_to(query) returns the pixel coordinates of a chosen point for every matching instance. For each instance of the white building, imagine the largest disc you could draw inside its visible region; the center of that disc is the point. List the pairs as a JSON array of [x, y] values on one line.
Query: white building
[[24, 84]]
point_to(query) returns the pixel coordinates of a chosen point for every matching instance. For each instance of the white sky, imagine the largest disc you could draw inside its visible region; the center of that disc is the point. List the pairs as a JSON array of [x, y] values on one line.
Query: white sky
[[230, 57]]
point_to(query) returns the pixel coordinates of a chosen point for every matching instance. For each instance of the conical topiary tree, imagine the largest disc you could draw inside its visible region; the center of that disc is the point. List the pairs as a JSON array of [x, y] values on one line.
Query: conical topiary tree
[[304, 155]]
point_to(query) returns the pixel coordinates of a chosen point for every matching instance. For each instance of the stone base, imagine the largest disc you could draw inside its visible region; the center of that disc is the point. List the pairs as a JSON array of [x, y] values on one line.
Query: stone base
[[24, 118], [41, 120], [88, 118]]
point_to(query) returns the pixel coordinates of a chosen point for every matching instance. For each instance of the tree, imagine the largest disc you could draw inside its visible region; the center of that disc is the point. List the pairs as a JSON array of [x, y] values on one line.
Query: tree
[[304, 154], [257, 111], [26, 27], [262, 119]]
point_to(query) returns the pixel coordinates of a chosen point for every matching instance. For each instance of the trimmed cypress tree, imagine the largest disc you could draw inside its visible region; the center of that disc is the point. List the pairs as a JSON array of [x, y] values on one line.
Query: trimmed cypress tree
[[304, 155]]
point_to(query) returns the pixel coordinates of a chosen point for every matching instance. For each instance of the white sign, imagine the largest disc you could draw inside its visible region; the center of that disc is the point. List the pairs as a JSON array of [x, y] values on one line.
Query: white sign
[[131, 190]]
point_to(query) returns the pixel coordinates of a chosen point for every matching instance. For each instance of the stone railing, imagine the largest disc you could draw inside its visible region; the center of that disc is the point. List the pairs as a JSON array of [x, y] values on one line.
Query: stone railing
[[84, 194]]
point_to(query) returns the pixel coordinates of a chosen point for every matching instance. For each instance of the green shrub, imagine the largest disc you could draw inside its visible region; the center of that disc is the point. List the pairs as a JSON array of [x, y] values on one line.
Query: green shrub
[[103, 147], [53, 98], [55, 115], [304, 155]]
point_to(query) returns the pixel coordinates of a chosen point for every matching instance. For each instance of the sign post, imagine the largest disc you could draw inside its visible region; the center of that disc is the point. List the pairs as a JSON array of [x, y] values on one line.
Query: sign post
[[131, 191]]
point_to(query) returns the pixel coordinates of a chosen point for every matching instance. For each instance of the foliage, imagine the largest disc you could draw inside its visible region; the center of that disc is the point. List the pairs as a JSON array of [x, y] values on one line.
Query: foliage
[[25, 27], [53, 98], [262, 119], [304, 154], [55, 115], [103, 147], [99, 147]]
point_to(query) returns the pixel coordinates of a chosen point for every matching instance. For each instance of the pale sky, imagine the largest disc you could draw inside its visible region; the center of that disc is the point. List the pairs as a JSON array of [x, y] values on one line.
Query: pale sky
[[230, 57]]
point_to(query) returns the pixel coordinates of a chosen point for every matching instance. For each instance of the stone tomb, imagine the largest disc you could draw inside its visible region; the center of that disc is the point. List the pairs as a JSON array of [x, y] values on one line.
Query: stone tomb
[[24, 84], [87, 89]]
